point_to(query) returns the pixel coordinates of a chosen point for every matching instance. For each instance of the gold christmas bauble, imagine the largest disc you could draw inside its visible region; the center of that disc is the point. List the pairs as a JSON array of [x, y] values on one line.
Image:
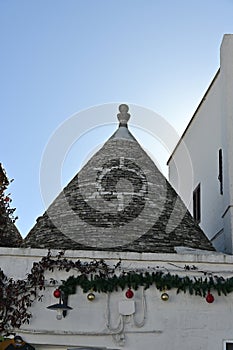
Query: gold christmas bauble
[[164, 296], [91, 296]]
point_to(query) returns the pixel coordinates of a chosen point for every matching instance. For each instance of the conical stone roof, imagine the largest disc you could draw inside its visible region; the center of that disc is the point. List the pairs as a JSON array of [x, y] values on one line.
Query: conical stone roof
[[9, 234], [118, 201]]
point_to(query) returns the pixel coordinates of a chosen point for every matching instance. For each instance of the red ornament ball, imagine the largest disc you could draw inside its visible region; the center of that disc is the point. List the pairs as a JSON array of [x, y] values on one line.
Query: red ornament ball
[[209, 298], [57, 293], [129, 293]]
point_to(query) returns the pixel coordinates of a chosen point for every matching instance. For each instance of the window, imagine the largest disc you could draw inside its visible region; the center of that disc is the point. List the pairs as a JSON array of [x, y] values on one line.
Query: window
[[220, 170], [228, 345], [197, 203]]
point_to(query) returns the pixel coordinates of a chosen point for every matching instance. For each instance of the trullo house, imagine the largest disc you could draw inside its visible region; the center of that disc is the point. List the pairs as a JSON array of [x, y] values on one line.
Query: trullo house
[[127, 267]]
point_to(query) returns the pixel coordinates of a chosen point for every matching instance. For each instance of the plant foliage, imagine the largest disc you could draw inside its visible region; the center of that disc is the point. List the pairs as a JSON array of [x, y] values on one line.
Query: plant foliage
[[6, 212]]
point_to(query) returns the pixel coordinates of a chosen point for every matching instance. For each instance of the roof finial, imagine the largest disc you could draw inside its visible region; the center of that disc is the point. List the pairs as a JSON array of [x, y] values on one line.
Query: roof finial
[[123, 116]]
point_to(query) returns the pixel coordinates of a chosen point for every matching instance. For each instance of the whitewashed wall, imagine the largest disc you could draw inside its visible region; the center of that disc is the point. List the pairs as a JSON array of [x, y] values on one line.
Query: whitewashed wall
[[210, 129], [227, 135], [184, 321]]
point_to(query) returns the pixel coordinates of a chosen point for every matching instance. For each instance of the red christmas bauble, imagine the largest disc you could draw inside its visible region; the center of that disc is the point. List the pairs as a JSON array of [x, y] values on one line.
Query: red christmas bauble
[[209, 298], [129, 293], [57, 293]]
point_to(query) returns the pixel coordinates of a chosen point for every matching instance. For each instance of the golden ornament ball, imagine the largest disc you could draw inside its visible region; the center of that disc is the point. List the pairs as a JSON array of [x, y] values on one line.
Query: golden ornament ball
[[164, 296], [91, 296]]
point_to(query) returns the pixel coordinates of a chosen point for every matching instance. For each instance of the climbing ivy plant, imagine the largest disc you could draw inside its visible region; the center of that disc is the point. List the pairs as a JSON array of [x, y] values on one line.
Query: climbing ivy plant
[[16, 296]]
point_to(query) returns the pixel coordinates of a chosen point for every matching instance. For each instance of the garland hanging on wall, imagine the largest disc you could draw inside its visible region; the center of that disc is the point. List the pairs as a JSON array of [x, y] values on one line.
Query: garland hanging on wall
[[16, 296], [162, 281]]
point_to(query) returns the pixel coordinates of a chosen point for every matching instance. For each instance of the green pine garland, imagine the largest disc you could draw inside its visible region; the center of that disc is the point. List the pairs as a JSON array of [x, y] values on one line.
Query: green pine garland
[[197, 285]]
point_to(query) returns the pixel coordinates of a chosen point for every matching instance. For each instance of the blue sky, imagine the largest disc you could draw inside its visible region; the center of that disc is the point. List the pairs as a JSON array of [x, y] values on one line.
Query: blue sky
[[59, 57]]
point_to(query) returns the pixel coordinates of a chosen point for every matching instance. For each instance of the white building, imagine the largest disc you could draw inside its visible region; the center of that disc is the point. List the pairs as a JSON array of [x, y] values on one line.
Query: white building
[[113, 321], [130, 245], [208, 139]]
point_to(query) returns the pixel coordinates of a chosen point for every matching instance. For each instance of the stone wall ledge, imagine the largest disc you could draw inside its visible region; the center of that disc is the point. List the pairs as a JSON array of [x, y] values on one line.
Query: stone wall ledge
[[192, 256]]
